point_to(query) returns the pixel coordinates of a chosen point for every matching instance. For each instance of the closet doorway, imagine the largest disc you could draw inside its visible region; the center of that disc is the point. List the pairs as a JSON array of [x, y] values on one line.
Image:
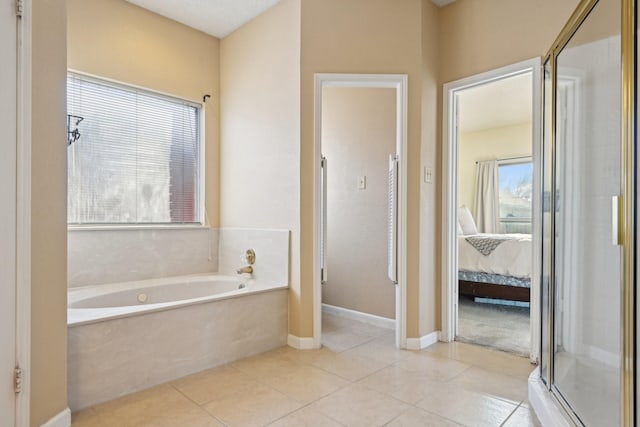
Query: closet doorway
[[360, 138], [492, 168]]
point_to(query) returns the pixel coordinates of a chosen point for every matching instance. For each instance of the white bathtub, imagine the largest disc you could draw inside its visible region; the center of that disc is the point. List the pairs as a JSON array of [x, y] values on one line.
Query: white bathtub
[[125, 337], [96, 303]]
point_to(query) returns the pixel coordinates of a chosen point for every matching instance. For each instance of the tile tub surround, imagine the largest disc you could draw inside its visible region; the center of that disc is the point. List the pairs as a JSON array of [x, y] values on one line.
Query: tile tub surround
[[120, 356], [113, 255], [122, 254]]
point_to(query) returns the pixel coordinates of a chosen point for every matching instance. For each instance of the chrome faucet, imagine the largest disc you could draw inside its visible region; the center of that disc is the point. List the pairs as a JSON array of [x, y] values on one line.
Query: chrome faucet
[[247, 269]]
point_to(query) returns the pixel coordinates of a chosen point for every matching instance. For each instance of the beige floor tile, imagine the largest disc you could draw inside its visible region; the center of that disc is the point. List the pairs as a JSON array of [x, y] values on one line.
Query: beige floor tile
[[369, 330], [493, 360], [437, 367], [300, 356], [379, 350], [523, 417], [467, 407], [266, 364], [306, 383], [349, 367], [161, 406], [213, 384], [341, 340], [404, 385], [492, 383], [256, 406], [86, 418], [306, 417], [418, 417], [357, 405]]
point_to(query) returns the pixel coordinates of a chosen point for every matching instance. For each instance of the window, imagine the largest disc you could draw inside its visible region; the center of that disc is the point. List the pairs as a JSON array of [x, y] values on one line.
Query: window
[[137, 157], [516, 189]]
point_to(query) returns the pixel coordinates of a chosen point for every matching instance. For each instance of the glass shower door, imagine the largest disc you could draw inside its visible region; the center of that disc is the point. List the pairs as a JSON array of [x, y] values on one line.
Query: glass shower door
[[587, 257]]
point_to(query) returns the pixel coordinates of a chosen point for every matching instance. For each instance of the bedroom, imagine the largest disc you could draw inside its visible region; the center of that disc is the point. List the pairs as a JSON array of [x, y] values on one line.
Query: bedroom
[[495, 172]]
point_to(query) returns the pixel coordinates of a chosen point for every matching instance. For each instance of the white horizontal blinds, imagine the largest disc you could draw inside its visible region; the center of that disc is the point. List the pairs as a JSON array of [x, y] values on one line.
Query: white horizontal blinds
[[137, 157]]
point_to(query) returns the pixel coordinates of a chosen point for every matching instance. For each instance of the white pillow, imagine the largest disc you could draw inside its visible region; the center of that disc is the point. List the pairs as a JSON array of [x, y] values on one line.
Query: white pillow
[[466, 221], [459, 229]]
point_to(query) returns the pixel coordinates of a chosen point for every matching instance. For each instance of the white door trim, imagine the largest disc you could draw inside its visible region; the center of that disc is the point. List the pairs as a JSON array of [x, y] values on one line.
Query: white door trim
[[399, 82], [23, 255], [450, 195]]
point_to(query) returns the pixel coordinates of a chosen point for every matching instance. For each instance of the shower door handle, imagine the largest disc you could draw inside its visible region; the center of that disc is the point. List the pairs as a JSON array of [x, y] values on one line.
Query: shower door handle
[[615, 220]]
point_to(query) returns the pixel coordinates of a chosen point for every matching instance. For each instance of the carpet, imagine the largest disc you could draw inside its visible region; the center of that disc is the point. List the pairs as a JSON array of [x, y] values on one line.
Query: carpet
[[500, 327]]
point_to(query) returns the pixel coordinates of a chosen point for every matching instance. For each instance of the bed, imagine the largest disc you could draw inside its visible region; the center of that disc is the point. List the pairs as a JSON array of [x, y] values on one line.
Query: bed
[[496, 266]]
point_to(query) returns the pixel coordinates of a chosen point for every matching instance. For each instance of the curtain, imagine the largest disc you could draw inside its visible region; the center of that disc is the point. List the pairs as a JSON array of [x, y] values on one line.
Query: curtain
[[487, 204]]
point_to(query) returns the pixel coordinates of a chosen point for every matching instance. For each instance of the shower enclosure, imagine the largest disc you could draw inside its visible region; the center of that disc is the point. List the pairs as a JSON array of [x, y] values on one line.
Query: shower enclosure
[[588, 242]]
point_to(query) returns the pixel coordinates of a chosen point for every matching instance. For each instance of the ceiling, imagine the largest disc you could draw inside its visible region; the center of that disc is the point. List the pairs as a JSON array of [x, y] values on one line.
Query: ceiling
[[500, 103], [218, 18]]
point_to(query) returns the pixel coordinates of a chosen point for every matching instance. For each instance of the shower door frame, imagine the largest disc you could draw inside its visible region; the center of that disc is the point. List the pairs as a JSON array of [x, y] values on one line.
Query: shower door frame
[[626, 213]]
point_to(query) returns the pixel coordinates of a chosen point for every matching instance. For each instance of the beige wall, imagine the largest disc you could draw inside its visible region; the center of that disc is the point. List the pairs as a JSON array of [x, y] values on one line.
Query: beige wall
[[120, 41], [260, 80], [49, 213], [487, 144], [478, 36], [429, 295], [358, 134], [360, 36]]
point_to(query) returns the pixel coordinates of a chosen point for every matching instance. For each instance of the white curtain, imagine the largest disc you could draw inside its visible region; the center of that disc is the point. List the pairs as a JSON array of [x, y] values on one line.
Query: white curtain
[[487, 205]]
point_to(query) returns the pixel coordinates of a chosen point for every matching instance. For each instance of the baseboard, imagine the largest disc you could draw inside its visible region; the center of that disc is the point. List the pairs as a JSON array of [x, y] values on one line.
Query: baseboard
[[423, 342], [300, 343], [372, 319], [543, 403], [63, 419]]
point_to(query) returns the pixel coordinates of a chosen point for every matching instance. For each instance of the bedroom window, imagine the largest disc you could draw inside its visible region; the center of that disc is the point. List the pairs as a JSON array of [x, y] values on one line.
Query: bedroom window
[[515, 195], [134, 157]]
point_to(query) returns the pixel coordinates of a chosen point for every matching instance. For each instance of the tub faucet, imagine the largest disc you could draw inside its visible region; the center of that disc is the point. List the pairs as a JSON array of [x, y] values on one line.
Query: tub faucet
[[249, 257], [247, 269]]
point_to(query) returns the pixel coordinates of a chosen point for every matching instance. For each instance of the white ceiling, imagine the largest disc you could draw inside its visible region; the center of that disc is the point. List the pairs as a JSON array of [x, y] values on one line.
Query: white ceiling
[[218, 18], [500, 103]]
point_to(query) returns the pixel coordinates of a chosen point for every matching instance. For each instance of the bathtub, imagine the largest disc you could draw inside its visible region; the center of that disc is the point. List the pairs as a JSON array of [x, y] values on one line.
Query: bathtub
[[125, 337]]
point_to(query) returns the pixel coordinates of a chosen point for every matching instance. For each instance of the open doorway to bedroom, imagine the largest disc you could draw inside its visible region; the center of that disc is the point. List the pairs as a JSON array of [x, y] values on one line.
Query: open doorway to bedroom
[[494, 175]]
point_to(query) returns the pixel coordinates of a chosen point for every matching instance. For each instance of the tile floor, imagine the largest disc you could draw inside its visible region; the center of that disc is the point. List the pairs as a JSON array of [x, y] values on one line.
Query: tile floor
[[357, 379]]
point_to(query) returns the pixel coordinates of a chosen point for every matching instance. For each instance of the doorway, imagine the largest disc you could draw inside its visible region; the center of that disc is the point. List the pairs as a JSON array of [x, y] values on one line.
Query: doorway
[[483, 289], [495, 193], [341, 168]]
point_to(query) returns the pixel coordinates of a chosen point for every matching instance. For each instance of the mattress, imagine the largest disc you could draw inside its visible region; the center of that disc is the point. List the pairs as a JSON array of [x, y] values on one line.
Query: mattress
[[511, 257], [496, 279]]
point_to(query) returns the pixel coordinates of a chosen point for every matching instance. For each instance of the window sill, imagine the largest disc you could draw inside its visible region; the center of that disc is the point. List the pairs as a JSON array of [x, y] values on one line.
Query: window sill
[[136, 227]]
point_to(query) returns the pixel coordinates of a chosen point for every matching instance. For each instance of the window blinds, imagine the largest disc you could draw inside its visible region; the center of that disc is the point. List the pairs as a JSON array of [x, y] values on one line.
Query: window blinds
[[137, 158]]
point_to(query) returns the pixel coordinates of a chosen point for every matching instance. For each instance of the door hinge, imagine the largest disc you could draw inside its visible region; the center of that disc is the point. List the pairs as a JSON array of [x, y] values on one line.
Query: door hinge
[[17, 380], [19, 8]]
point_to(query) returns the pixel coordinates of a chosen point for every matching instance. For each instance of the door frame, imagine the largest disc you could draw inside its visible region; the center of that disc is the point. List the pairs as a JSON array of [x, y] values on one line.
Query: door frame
[[23, 210], [399, 82], [450, 195]]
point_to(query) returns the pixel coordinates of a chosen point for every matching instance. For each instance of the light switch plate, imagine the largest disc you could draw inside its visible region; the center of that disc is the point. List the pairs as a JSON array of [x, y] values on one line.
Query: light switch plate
[[362, 182], [428, 175]]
